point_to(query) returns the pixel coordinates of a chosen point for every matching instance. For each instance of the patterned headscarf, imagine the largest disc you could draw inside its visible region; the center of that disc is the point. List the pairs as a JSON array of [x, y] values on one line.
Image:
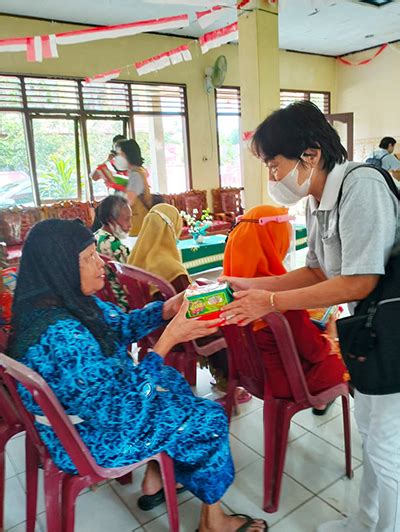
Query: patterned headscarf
[[48, 286]]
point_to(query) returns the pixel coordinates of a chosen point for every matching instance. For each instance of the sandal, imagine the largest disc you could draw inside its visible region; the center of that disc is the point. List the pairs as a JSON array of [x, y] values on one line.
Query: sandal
[[322, 411], [148, 502], [247, 524], [243, 397]]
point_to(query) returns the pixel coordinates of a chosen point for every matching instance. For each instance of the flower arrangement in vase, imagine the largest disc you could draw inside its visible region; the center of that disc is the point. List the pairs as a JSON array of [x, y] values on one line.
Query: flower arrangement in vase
[[198, 228]]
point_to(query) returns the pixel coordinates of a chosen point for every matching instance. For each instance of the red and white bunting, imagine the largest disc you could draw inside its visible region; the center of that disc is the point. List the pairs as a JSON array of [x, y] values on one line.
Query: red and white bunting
[[158, 62], [122, 30], [205, 18], [217, 38], [13, 45], [243, 4], [41, 47], [102, 78]]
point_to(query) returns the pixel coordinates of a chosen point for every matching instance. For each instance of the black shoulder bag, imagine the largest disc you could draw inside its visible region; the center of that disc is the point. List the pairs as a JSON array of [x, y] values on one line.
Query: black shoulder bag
[[370, 339]]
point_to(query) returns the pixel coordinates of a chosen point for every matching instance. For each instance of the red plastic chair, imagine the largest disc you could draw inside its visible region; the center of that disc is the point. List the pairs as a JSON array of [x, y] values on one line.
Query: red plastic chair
[[61, 489], [106, 293], [136, 283], [10, 425], [246, 368]]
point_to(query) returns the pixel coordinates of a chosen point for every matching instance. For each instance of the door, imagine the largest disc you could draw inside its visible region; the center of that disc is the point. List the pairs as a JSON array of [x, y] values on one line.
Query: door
[[344, 125]]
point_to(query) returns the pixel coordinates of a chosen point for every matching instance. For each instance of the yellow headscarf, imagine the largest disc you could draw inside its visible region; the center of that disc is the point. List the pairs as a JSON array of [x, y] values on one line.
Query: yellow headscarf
[[155, 250]]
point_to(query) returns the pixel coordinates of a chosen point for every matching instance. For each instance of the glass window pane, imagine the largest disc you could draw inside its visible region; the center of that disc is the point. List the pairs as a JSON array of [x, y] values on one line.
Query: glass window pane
[[162, 140], [229, 151], [100, 134], [15, 181], [55, 158]]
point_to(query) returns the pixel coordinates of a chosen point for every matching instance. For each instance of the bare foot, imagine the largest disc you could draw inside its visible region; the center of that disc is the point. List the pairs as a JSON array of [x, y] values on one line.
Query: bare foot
[[152, 482], [228, 523]]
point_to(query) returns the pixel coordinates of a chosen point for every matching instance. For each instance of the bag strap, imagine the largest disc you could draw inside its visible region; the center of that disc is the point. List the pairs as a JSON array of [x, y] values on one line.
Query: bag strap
[[388, 178]]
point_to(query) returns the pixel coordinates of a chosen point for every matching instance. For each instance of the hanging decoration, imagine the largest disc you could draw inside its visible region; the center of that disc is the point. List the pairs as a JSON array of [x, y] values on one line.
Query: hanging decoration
[[217, 38], [364, 61], [205, 18], [242, 4], [160, 61], [45, 46], [39, 47], [105, 76], [247, 135]]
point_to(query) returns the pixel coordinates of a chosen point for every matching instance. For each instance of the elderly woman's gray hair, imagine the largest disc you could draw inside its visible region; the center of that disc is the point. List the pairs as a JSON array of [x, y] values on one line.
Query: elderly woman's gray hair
[[110, 208]]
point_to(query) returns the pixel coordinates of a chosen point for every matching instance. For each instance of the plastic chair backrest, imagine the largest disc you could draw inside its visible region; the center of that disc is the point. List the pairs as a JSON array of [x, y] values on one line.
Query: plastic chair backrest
[[13, 372], [107, 293], [137, 282], [246, 362]]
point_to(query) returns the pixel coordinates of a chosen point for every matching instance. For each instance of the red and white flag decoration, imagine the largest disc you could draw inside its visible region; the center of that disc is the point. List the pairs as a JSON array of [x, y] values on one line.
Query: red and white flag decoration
[[122, 30], [102, 78], [158, 62], [41, 47], [205, 18], [217, 38]]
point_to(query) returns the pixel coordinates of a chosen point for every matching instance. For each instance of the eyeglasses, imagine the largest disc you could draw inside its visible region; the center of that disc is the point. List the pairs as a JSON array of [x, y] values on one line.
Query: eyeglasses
[[265, 219]]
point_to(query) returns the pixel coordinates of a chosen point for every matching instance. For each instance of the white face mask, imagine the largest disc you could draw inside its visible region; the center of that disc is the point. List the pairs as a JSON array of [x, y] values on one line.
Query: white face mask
[[120, 163], [119, 233], [287, 191]]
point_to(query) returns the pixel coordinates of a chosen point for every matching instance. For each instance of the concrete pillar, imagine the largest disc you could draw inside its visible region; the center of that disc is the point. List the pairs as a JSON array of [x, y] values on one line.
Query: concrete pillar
[[259, 86]]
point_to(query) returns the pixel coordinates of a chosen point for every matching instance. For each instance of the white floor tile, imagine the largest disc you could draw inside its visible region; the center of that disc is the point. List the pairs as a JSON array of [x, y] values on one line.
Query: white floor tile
[[22, 528], [16, 451], [242, 455], [314, 463], [14, 503], [101, 511], [189, 518], [333, 433], [343, 495], [10, 470], [203, 382], [249, 430], [246, 494], [307, 517], [308, 421], [131, 492]]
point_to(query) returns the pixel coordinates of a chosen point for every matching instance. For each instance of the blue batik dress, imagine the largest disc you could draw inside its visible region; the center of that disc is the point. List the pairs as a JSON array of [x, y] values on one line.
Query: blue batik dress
[[130, 412]]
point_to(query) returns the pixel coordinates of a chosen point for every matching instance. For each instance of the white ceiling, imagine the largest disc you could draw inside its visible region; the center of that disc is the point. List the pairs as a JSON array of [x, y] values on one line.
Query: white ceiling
[[330, 27]]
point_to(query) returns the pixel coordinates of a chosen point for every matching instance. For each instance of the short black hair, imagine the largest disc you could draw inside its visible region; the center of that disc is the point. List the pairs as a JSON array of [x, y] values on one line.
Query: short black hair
[[384, 143], [110, 208], [118, 138], [132, 151], [290, 131]]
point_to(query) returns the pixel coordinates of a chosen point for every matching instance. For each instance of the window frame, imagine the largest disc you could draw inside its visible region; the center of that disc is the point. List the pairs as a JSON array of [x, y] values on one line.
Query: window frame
[[80, 115], [218, 114], [307, 96]]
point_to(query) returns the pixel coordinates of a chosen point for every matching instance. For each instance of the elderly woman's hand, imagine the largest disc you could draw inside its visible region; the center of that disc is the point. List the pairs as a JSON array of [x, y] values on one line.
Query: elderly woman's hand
[[181, 329], [249, 305], [171, 306]]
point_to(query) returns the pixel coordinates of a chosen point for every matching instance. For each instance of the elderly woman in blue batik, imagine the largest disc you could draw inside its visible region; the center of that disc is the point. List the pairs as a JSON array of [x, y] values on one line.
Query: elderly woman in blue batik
[[126, 413]]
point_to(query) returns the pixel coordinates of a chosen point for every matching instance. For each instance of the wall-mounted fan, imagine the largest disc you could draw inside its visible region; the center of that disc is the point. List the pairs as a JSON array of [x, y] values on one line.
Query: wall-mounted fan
[[215, 75]]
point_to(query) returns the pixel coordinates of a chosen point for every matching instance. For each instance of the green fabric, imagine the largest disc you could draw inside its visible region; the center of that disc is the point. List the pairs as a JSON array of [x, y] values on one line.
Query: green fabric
[[210, 254]]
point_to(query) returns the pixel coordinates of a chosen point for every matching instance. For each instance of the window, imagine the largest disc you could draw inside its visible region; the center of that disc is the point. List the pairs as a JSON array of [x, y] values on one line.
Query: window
[[55, 131], [227, 101], [321, 99]]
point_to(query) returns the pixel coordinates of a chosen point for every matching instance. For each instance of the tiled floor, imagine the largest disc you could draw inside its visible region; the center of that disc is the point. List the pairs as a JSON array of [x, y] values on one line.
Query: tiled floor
[[314, 488]]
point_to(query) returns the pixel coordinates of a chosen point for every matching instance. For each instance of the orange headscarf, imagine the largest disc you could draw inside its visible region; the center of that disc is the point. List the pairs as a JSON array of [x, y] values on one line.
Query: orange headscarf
[[255, 250]]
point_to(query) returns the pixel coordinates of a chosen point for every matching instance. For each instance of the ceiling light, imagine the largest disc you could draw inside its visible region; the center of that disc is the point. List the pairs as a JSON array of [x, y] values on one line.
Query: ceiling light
[[376, 3]]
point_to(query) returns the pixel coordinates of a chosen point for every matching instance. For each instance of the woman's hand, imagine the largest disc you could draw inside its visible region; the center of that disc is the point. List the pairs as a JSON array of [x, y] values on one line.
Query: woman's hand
[[249, 305], [181, 329], [171, 306], [237, 283]]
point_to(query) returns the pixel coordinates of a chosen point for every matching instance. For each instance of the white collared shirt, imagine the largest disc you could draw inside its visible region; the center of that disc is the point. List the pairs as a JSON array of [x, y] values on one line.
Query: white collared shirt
[[359, 241]]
